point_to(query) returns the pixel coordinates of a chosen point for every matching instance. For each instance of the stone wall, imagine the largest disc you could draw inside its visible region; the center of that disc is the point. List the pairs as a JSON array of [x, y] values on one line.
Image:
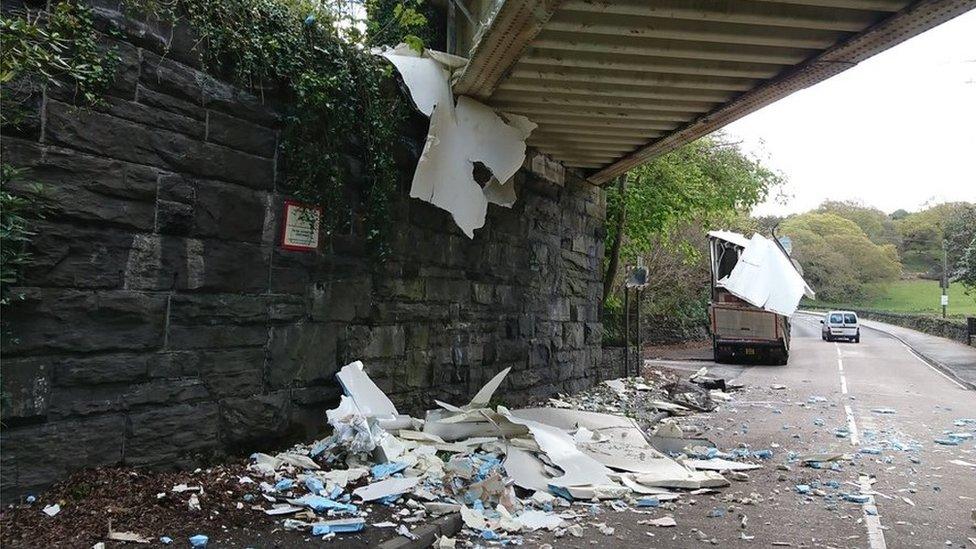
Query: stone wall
[[667, 330], [949, 328], [163, 326]]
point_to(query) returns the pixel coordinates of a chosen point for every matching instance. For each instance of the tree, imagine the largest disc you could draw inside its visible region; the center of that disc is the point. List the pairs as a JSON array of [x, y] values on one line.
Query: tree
[[923, 233], [838, 258], [876, 225], [966, 272], [705, 181]]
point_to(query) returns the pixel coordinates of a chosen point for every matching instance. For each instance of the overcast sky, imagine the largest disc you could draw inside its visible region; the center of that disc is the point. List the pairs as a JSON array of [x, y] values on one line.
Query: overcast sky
[[896, 131]]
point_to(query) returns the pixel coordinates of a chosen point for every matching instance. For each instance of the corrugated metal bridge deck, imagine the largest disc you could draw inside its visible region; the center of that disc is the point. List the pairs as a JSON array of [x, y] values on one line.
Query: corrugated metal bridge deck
[[614, 83]]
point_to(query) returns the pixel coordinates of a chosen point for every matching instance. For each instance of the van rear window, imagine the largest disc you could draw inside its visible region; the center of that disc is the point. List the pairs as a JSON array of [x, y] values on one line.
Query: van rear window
[[850, 319], [836, 318]]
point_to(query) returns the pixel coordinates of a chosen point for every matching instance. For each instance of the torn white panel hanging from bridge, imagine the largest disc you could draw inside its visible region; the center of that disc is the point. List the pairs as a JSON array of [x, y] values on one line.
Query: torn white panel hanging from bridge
[[763, 276], [460, 135]]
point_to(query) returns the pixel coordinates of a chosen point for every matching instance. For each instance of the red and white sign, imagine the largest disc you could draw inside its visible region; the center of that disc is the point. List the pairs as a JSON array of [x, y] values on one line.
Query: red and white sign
[[300, 232]]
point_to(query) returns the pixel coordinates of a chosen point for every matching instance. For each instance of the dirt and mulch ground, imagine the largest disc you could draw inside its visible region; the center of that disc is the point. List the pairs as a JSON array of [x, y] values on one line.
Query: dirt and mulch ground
[[156, 504], [129, 500]]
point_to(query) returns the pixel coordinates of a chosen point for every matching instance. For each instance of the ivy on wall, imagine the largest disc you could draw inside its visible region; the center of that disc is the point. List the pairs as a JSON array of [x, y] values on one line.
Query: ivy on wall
[[53, 47], [341, 123]]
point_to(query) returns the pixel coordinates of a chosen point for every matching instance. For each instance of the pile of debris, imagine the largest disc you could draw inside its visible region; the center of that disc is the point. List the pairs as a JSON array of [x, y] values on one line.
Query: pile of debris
[[512, 475], [477, 461]]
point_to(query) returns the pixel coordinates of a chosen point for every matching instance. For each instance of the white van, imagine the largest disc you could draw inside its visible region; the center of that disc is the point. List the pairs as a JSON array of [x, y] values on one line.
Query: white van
[[840, 325]]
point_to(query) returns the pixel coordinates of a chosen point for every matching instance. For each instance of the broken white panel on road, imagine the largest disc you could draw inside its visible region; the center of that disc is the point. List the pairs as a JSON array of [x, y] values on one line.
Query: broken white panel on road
[[366, 396], [386, 487], [460, 134], [621, 445], [719, 464], [763, 276], [580, 469]]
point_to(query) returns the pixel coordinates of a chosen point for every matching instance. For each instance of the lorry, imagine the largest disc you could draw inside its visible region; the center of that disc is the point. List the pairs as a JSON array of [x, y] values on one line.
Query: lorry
[[755, 288]]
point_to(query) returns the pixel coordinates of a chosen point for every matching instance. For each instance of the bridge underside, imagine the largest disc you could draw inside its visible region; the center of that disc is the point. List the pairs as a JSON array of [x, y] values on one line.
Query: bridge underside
[[614, 83]]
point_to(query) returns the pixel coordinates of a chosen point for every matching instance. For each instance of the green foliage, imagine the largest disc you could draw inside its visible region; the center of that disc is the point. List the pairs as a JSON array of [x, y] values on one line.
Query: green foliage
[[905, 296], [54, 47], [878, 227], [922, 234], [709, 181], [57, 46], [838, 258], [966, 269], [342, 120], [670, 204], [413, 22], [16, 213]]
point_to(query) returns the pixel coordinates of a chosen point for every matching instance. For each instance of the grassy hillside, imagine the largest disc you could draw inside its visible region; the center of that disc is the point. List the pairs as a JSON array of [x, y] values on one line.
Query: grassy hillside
[[912, 296]]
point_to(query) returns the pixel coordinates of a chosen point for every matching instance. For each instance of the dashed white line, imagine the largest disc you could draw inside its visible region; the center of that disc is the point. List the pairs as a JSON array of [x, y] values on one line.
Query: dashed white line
[[851, 426], [840, 368], [876, 538]]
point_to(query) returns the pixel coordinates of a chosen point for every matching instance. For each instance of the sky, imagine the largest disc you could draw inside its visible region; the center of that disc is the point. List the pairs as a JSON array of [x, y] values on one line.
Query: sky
[[896, 131]]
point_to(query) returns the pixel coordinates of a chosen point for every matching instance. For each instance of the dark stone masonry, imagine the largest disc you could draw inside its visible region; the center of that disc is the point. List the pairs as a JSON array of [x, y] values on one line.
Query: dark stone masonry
[[162, 324]]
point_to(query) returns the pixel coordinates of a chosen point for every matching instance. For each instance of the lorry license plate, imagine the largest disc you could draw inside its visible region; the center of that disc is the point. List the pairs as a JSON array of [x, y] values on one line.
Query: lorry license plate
[[750, 351]]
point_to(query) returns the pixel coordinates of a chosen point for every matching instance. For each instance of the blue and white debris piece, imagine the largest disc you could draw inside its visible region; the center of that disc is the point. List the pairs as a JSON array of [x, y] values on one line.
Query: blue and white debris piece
[[470, 459]]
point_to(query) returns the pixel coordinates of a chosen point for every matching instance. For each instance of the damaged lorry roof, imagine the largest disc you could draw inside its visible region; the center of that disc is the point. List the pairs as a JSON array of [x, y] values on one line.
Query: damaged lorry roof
[[763, 276]]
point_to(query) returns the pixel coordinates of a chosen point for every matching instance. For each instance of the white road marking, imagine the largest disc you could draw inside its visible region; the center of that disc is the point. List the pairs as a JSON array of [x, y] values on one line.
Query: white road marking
[[840, 368], [933, 368], [876, 538], [851, 426]]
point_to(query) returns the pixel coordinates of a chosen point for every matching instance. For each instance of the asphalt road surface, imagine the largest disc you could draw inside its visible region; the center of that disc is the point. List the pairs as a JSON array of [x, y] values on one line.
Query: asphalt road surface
[[875, 396]]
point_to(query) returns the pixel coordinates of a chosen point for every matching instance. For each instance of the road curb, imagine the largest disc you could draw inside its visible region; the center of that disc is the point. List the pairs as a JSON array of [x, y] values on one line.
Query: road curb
[[928, 359], [448, 525], [924, 357]]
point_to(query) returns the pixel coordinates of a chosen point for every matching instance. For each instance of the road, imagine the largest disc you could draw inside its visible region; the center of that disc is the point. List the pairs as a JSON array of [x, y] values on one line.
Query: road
[[923, 499]]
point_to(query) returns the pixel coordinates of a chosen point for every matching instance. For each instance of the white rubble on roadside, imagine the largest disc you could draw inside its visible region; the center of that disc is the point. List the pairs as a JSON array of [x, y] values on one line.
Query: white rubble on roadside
[[508, 473]]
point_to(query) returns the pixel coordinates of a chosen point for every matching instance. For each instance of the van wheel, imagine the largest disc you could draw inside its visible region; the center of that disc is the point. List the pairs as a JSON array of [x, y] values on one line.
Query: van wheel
[[857, 338]]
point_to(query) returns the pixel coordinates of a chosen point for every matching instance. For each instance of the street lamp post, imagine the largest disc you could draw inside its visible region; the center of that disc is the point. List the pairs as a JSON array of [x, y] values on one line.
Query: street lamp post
[[945, 278]]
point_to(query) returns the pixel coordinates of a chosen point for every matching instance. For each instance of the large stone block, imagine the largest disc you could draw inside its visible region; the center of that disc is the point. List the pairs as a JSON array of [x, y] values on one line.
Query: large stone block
[[303, 354], [229, 212], [234, 101], [162, 262], [173, 436], [255, 420], [96, 399], [79, 257], [172, 78], [103, 368], [35, 456], [240, 134], [78, 321], [87, 188], [103, 134], [386, 342], [455, 291], [153, 117], [173, 218], [226, 266], [209, 321], [26, 384], [167, 103], [341, 300], [146, 32]]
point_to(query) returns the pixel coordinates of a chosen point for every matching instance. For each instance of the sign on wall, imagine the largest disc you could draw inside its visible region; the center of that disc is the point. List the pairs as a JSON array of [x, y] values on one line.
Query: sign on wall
[[300, 232]]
